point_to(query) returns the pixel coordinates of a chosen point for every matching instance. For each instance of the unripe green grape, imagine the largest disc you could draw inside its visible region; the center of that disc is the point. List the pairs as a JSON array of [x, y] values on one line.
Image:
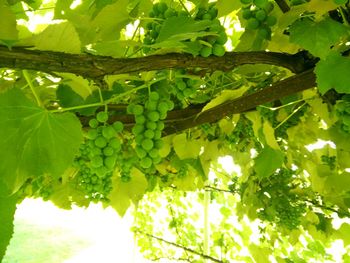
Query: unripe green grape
[[108, 151], [213, 12], [221, 39], [96, 161], [271, 20], [269, 7], [154, 34], [152, 14], [147, 41], [101, 171], [206, 16], [149, 26], [140, 119], [158, 144], [138, 129], [102, 116], [153, 116], [260, 3], [147, 144], [151, 125], [146, 162], [158, 28], [141, 153], [206, 51], [92, 134], [108, 132], [137, 110], [100, 142], [260, 15], [139, 138], [162, 107], [170, 12], [218, 50], [157, 134], [162, 7], [246, 14], [252, 23], [246, 2], [180, 84], [94, 179], [264, 33], [162, 115], [130, 108], [160, 126], [109, 162], [151, 105], [149, 134], [170, 105], [95, 151], [188, 92], [115, 144], [118, 126], [154, 153], [154, 96], [201, 11], [93, 123]]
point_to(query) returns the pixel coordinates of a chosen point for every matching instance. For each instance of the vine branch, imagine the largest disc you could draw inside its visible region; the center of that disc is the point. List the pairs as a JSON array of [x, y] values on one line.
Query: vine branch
[[283, 5], [96, 67], [180, 246]]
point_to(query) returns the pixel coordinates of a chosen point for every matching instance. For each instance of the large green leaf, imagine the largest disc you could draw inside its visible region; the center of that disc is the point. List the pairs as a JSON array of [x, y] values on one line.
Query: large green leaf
[[317, 37], [33, 140], [268, 161], [333, 73], [185, 28], [7, 212]]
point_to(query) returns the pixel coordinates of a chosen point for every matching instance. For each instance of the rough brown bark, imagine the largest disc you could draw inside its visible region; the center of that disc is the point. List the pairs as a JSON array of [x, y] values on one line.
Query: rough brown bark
[[96, 67]]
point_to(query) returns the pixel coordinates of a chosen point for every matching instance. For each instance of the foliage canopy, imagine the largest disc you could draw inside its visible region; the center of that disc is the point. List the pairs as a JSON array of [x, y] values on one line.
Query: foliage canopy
[[135, 102]]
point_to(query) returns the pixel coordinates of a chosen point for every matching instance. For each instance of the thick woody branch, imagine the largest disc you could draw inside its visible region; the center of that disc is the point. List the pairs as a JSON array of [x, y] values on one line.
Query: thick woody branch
[[179, 120], [96, 67]]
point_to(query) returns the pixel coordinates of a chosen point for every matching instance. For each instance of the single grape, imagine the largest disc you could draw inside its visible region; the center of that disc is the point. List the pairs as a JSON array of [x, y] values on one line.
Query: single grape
[[151, 125], [100, 142], [137, 110], [252, 23], [96, 161], [115, 144], [260, 15], [140, 119], [137, 129], [206, 16], [153, 116], [108, 132], [93, 123], [109, 162], [180, 84], [108, 151], [154, 153], [92, 134], [271, 20], [149, 134], [162, 7], [118, 126], [221, 39], [146, 162], [147, 144], [260, 3], [102, 116], [218, 50], [141, 153], [162, 107], [154, 96], [206, 51]]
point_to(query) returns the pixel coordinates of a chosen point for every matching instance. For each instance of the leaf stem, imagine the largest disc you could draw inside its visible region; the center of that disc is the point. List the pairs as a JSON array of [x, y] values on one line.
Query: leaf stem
[[30, 84], [289, 116], [98, 104]]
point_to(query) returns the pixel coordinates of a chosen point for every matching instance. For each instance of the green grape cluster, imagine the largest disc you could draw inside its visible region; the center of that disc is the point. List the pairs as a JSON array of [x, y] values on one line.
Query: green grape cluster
[[282, 207], [148, 128], [212, 44], [184, 88], [343, 112], [42, 185], [258, 17], [98, 157]]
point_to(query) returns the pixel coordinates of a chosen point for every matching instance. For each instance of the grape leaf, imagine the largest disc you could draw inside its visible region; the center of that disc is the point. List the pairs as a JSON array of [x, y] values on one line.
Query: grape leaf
[[226, 7], [268, 161], [54, 38], [34, 141], [123, 193], [317, 37], [8, 30], [333, 73], [61, 7], [68, 97], [184, 148], [7, 212], [185, 27]]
